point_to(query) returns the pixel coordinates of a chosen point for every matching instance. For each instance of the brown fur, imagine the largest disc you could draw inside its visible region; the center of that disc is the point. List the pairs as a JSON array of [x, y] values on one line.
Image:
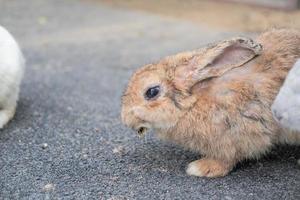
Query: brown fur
[[221, 112]]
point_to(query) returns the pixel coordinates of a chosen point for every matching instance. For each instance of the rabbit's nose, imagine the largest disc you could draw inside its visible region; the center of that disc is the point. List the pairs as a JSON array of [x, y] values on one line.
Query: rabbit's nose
[[277, 115], [129, 117], [135, 111]]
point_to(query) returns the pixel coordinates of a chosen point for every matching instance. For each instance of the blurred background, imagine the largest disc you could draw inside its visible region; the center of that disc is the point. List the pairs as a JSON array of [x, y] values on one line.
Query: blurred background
[[238, 15]]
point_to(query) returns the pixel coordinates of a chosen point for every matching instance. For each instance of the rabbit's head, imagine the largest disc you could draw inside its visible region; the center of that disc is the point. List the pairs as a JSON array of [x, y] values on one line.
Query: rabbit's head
[[158, 95], [149, 99]]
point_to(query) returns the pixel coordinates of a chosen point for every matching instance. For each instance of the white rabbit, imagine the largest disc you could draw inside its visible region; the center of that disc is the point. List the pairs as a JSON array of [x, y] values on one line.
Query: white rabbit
[[286, 107], [11, 72]]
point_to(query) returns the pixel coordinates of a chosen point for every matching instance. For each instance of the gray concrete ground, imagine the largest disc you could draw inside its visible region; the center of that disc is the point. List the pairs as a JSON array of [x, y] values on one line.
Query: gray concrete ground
[[80, 55]]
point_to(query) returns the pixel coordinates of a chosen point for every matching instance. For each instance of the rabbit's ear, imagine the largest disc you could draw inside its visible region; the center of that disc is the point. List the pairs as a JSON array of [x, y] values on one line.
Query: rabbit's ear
[[216, 60]]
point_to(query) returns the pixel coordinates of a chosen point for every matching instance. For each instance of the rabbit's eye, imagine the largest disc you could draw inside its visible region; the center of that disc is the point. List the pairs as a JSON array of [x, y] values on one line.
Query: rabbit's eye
[[152, 92]]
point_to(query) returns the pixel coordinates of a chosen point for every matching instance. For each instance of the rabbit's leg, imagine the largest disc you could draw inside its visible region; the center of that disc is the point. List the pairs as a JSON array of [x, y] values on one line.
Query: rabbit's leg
[[290, 137], [207, 167], [7, 114]]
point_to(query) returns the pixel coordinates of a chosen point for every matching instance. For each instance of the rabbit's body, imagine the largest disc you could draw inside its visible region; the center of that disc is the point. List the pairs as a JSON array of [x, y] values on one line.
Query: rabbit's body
[[221, 99], [11, 72], [286, 107]]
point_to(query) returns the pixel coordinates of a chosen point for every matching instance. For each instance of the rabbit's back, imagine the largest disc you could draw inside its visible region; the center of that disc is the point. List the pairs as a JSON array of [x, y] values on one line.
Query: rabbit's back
[[237, 105], [11, 65]]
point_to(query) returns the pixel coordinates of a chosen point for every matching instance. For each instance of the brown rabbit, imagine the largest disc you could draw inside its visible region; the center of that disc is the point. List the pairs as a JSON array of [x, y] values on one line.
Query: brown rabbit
[[216, 100]]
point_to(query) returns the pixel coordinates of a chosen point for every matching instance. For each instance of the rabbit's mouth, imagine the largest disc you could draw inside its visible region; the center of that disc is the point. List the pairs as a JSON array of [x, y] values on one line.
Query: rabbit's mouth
[[141, 131]]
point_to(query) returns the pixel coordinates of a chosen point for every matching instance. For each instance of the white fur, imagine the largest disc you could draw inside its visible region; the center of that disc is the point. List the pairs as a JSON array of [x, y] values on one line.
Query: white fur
[[286, 107], [193, 169], [11, 72]]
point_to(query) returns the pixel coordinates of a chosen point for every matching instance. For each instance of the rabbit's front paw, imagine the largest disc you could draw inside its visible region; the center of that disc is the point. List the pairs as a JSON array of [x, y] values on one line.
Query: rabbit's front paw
[[207, 168]]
